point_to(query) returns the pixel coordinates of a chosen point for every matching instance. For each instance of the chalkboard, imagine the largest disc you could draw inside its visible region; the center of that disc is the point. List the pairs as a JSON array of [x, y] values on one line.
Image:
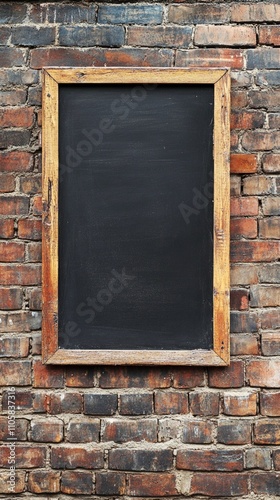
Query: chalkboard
[[131, 225]]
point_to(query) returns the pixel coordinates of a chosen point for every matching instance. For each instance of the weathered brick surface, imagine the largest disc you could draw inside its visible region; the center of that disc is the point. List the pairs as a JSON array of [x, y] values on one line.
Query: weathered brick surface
[[134, 431]]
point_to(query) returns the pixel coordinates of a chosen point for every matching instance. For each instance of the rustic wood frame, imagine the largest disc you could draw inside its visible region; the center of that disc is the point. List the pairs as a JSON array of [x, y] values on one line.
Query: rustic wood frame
[[220, 78]]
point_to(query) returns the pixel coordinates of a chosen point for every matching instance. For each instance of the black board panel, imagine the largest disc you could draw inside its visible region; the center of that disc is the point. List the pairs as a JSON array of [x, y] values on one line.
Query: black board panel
[[136, 216]]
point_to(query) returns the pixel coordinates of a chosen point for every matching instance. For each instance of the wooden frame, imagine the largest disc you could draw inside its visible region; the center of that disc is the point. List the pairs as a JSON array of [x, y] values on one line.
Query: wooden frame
[[220, 78]]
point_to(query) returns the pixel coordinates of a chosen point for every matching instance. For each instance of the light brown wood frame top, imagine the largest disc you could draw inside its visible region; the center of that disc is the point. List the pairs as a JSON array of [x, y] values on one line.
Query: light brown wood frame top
[[220, 78]]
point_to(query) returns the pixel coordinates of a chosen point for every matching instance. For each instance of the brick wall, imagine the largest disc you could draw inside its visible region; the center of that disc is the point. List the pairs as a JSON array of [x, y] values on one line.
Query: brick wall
[[146, 432]]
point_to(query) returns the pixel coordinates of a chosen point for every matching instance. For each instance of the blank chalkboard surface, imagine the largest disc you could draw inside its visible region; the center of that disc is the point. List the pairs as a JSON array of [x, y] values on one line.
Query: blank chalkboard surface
[[135, 217]]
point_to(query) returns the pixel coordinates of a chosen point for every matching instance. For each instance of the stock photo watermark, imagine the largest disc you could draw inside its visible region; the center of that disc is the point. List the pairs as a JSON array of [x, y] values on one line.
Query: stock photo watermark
[[120, 110], [200, 200], [95, 305], [11, 438]]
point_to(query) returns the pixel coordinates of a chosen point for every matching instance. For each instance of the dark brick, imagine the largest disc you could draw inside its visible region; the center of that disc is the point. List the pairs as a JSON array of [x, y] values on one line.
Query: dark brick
[[160, 36], [79, 377], [134, 376], [66, 457], [69, 14], [219, 460], [12, 12], [276, 459], [70, 402], [171, 402], [136, 404], [15, 347], [19, 482], [198, 14], [76, 483], [27, 456], [35, 96], [204, 403], [197, 432], [270, 404], [243, 322], [10, 56], [11, 298], [83, 431], [14, 137], [219, 484], [268, 78], [47, 431], [5, 33], [266, 483], [110, 483], [122, 431], [234, 432], [151, 485], [130, 14], [20, 428], [267, 431], [15, 373], [258, 458], [47, 376], [88, 36], [268, 99], [43, 482], [23, 400], [12, 98], [239, 298], [188, 377], [270, 273], [141, 460], [228, 377], [100, 404], [264, 58], [32, 35]]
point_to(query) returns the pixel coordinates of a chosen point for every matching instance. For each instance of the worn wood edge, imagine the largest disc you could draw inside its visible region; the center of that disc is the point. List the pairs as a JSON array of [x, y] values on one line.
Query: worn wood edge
[[135, 75], [146, 357], [221, 229], [49, 216]]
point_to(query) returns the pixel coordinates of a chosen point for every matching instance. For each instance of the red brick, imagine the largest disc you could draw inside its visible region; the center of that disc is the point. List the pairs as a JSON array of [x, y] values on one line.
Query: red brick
[[47, 376], [239, 99], [11, 252], [234, 432], [100, 57], [31, 184], [230, 376], [20, 274], [7, 228], [122, 431], [264, 296], [16, 161], [266, 483], [12, 97], [197, 431], [204, 403], [37, 205], [239, 299], [110, 483], [27, 456], [79, 377], [15, 373], [7, 183], [125, 377], [243, 163], [243, 228], [255, 251], [23, 400], [271, 163], [43, 482], [208, 58], [270, 404], [269, 228], [255, 12], [16, 117], [76, 483], [219, 460], [245, 120], [240, 403], [188, 377], [264, 372], [171, 402], [227, 36], [244, 274], [14, 205], [267, 431], [20, 321], [11, 298], [66, 457], [30, 229], [141, 460], [242, 344], [14, 347], [20, 429], [159, 36], [271, 343], [34, 252], [5, 485], [219, 484], [47, 431], [151, 485], [269, 319], [269, 35], [244, 206], [271, 205]]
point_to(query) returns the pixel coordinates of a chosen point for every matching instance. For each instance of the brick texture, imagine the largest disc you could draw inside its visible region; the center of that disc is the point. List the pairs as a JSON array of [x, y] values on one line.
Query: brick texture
[[134, 431]]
